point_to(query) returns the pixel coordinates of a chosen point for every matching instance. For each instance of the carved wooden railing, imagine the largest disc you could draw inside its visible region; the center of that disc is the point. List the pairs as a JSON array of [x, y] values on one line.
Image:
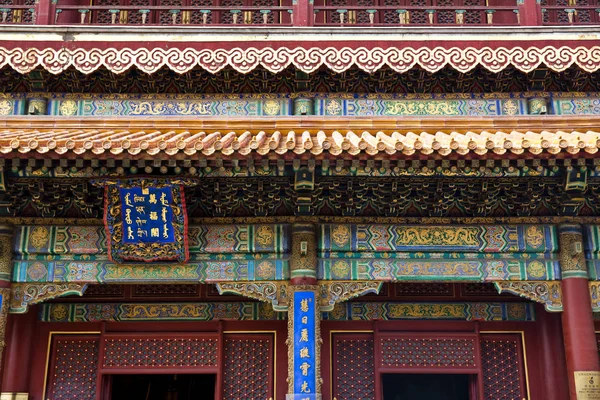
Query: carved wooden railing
[[440, 13], [175, 14], [17, 14], [570, 12], [332, 13]]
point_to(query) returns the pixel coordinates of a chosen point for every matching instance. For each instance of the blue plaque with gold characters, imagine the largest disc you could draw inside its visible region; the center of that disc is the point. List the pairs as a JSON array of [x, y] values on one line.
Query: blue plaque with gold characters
[[146, 220], [305, 376]]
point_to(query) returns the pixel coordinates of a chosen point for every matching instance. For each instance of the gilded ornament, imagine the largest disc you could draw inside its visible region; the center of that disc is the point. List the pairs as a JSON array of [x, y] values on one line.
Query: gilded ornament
[[265, 270], [437, 235], [534, 236], [516, 311], [265, 235], [536, 269], [39, 237], [271, 107], [37, 271], [5, 107], [340, 235], [340, 269], [510, 107], [59, 312], [68, 107], [548, 293], [334, 107]]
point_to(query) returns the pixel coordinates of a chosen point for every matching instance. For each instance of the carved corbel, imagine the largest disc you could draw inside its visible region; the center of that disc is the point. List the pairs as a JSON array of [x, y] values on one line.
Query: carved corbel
[[25, 294], [273, 292], [548, 293], [595, 295], [334, 292]]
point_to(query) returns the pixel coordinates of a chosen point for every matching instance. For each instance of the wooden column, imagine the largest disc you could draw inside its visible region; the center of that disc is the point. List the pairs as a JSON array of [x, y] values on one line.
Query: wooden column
[[552, 354], [6, 258], [304, 333], [581, 350]]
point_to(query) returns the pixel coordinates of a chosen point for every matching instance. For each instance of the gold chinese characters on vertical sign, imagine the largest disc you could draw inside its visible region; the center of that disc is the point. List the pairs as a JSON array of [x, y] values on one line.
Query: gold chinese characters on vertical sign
[[305, 383]]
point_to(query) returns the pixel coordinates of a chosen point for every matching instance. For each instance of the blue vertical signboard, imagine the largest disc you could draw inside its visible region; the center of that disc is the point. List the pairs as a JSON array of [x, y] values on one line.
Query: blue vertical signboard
[[305, 375]]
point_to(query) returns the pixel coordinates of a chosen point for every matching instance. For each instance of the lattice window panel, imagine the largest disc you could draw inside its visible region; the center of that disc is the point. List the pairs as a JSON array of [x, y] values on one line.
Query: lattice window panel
[[354, 368], [104, 291], [227, 17], [104, 16], [362, 17], [134, 16], [197, 17], [391, 16], [166, 290], [335, 16], [248, 367], [75, 368], [501, 364], [418, 17], [474, 17], [479, 289], [584, 16], [446, 16], [165, 17], [160, 352], [257, 17], [412, 352], [423, 289]]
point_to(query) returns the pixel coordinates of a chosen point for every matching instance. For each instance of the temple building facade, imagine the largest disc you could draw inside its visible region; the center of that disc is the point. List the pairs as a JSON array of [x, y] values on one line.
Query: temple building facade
[[299, 199]]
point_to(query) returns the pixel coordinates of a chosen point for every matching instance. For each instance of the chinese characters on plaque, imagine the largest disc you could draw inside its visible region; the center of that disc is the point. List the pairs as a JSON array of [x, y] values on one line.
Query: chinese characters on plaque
[[147, 215], [146, 220], [305, 381]]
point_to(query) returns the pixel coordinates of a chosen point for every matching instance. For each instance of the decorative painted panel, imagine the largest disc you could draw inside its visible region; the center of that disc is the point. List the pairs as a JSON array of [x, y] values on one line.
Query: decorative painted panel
[[398, 238], [60, 240], [441, 270], [213, 239], [375, 107], [502, 368], [240, 239], [248, 367], [369, 311], [108, 272], [420, 351], [211, 107], [172, 352], [94, 312], [353, 367], [74, 369]]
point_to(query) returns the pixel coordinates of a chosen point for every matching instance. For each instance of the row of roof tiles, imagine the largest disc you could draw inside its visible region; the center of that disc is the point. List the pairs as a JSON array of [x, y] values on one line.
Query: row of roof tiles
[[315, 142]]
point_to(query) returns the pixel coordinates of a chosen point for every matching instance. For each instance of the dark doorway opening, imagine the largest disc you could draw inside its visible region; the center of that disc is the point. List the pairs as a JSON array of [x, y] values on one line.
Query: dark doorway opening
[[163, 387], [425, 386]]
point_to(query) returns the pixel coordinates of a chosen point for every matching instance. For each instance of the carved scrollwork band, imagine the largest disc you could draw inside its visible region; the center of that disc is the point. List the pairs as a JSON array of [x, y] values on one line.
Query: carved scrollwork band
[[548, 293], [335, 292], [306, 59], [274, 292], [25, 294], [329, 292]]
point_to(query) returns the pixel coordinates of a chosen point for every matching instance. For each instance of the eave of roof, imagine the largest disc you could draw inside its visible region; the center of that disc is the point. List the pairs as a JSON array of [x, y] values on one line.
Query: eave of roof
[[290, 137]]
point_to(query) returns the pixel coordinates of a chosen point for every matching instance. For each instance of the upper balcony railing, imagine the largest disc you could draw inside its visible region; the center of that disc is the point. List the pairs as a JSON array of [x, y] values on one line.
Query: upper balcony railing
[[329, 13]]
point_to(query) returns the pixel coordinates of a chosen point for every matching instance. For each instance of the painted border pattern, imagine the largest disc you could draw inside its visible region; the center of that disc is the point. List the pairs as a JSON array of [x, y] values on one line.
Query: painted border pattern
[[308, 60]]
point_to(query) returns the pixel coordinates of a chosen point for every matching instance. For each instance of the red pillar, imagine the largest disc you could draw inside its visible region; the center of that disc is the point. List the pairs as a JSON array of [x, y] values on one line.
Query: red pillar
[[19, 343], [530, 12], [552, 354], [581, 349], [303, 13]]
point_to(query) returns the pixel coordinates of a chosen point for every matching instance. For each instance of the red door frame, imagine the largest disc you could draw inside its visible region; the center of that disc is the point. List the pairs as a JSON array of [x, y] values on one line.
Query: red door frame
[[529, 351], [47, 333]]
